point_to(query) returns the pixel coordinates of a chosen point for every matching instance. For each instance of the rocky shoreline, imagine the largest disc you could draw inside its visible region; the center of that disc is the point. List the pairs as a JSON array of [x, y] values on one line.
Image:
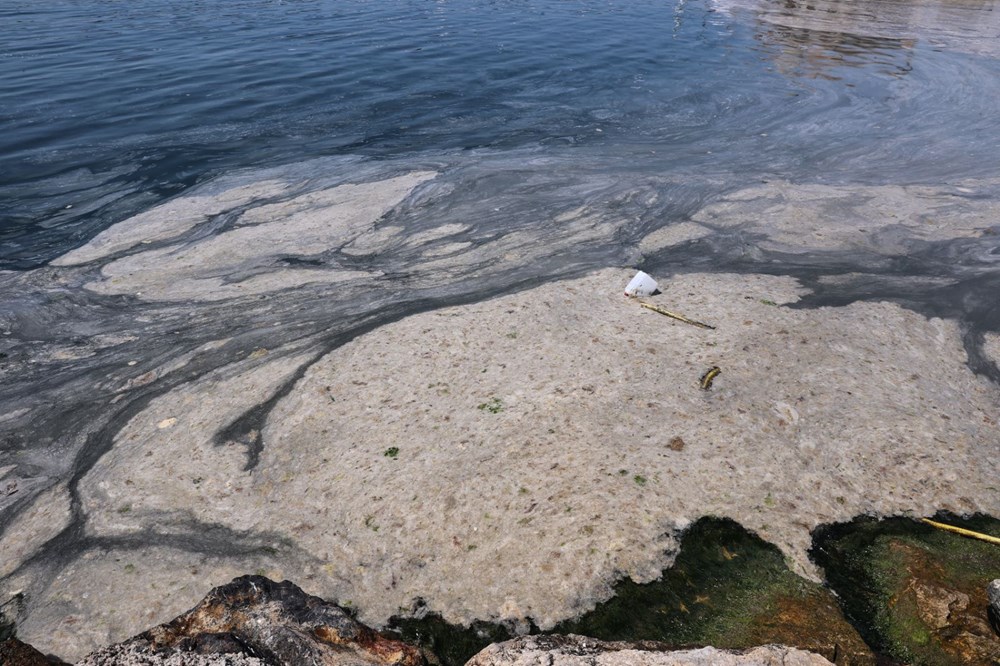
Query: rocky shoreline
[[899, 593], [254, 621]]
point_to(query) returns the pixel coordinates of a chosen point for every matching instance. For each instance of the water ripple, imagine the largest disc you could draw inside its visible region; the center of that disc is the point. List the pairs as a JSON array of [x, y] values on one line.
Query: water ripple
[[165, 94]]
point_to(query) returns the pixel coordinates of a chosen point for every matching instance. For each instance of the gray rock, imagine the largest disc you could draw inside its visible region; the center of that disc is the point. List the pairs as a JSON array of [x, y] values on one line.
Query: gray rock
[[254, 621], [575, 650], [135, 654]]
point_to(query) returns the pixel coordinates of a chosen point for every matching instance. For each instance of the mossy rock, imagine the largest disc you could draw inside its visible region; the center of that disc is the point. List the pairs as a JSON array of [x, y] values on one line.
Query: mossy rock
[[727, 588], [916, 593], [444, 644], [730, 589]]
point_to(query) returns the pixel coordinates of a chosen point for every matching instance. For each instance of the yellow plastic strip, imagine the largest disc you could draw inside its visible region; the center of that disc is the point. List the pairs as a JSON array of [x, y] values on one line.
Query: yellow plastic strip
[[964, 532], [674, 315]]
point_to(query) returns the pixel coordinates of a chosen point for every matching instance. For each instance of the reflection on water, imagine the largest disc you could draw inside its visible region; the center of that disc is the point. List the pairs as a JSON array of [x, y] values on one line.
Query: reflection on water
[[957, 25], [811, 53], [814, 38]]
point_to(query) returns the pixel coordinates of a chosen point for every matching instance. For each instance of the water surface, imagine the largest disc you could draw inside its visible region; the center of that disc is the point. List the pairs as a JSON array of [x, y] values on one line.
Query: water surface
[[107, 109]]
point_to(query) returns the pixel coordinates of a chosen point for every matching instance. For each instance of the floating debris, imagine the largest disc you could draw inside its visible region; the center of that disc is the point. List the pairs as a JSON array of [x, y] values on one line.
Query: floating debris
[[674, 315], [961, 530], [709, 377], [641, 285]]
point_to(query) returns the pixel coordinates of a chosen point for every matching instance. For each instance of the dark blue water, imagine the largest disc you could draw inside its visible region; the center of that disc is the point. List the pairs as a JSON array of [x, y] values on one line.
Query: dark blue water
[[109, 107]]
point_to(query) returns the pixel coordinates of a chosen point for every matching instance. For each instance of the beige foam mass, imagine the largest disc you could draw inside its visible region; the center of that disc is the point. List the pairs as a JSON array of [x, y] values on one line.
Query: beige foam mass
[[991, 345], [886, 219], [513, 458], [167, 221], [48, 515], [673, 234], [248, 259]]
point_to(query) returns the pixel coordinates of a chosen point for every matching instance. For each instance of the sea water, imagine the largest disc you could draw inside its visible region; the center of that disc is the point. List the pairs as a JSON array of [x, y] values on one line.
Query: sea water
[[107, 109]]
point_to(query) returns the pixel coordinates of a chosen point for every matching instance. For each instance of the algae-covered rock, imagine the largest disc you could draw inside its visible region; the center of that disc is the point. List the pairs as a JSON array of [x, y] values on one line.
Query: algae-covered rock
[[445, 644], [727, 588], [916, 593], [730, 589]]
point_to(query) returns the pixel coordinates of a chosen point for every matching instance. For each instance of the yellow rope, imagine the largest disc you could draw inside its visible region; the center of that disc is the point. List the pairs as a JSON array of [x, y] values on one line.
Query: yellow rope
[[674, 315], [964, 532]]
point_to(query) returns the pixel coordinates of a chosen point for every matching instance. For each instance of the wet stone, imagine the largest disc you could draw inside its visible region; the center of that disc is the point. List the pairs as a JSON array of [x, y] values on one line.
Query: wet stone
[[730, 589], [261, 621], [727, 588], [446, 644], [917, 594]]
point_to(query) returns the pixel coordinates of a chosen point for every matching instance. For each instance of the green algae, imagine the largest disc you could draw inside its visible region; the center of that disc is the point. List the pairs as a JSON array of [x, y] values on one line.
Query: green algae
[[727, 588], [722, 578], [915, 593], [730, 589], [447, 644]]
